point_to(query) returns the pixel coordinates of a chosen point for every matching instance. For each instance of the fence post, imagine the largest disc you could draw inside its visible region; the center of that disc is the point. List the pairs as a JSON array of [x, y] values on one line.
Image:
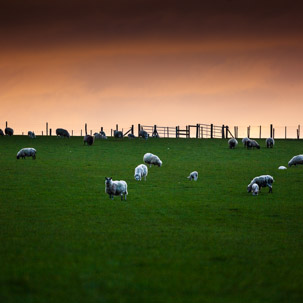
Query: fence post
[[227, 129], [197, 130], [132, 129], [248, 131], [72, 132], [285, 132], [6, 124], [177, 135], [299, 131], [211, 131], [111, 132], [81, 132], [139, 128], [50, 131], [42, 133], [271, 131], [117, 127], [22, 133], [187, 131], [102, 128], [91, 132], [201, 132], [223, 131], [167, 132], [85, 128], [47, 128], [260, 132]]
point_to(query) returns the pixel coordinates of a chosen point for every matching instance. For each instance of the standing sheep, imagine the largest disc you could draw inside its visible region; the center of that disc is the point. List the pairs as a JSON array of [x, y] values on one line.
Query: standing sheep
[[193, 176], [88, 139], [118, 134], [262, 181], [140, 172], [232, 143], [60, 132], [31, 135], [151, 159], [143, 134], [9, 131], [270, 142], [1, 132], [252, 144], [296, 160], [115, 188], [26, 152], [244, 141]]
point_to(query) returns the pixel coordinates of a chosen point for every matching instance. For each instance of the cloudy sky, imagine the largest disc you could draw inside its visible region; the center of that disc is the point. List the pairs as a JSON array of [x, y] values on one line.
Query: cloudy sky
[[152, 62]]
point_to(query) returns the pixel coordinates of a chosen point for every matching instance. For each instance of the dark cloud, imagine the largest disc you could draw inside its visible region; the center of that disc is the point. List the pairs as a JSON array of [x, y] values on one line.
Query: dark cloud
[[46, 23]]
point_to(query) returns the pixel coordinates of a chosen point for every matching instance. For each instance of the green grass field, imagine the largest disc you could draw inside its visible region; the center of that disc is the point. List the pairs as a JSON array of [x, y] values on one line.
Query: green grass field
[[64, 240]]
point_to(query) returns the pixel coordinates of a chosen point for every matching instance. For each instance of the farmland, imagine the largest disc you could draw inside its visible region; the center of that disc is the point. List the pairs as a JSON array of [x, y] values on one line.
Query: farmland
[[63, 239]]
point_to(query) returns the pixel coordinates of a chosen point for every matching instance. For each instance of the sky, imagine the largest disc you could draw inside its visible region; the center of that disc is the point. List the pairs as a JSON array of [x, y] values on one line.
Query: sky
[[150, 62]]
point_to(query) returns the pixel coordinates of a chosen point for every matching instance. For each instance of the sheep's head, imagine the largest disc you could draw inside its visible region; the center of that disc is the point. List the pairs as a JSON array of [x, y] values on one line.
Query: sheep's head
[[108, 181], [249, 188], [160, 163], [18, 157], [137, 177]]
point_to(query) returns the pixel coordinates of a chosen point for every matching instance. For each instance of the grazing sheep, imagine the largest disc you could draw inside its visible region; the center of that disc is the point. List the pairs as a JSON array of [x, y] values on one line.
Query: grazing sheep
[[143, 134], [99, 136], [255, 189], [26, 152], [282, 167], [296, 160], [151, 159], [60, 132], [155, 134], [193, 176], [131, 136], [244, 141], [31, 135], [118, 134], [232, 143], [252, 144], [1, 132], [141, 171], [115, 188], [270, 142], [262, 181], [88, 139], [9, 131]]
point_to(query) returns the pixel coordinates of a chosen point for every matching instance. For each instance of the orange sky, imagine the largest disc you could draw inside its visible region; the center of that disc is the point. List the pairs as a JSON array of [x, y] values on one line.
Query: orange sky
[[166, 66]]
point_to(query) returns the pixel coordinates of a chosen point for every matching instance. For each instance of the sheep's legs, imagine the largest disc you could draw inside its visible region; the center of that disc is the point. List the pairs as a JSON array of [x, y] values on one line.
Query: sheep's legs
[[270, 189]]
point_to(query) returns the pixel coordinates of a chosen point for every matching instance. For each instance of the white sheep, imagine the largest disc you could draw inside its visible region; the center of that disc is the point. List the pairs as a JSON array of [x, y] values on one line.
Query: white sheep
[[270, 142], [151, 159], [296, 160], [252, 144], [193, 176], [115, 188], [255, 189], [140, 172], [232, 143], [26, 152], [262, 181], [244, 141]]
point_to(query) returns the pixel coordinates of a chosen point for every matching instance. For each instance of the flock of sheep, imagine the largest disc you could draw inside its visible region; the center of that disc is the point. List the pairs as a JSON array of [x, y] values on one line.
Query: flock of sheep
[[119, 188]]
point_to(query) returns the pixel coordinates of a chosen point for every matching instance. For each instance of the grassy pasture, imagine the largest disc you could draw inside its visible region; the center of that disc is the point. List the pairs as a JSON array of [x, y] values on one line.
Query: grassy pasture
[[64, 240]]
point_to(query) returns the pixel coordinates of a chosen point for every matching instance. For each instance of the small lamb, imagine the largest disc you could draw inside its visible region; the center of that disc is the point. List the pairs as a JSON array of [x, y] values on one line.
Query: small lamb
[[193, 176], [244, 141], [141, 171], [143, 134], [270, 142], [118, 134], [255, 189], [115, 188], [1, 132], [262, 181], [60, 132], [26, 152], [296, 160], [151, 159], [88, 139], [232, 143]]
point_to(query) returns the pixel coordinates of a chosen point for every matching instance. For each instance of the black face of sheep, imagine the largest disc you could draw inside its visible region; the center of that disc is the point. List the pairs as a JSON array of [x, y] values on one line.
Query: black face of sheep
[[1, 132], [118, 134]]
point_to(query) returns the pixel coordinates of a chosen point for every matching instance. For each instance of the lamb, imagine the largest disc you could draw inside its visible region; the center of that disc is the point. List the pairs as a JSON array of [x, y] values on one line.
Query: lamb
[[296, 160], [62, 133], [9, 131], [232, 143], [252, 144], [244, 141], [131, 136], [1, 132], [143, 134], [115, 188], [99, 136], [262, 181], [118, 134], [141, 171], [255, 189], [31, 135], [88, 139], [151, 159], [193, 176], [26, 152], [270, 142]]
